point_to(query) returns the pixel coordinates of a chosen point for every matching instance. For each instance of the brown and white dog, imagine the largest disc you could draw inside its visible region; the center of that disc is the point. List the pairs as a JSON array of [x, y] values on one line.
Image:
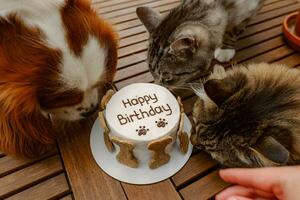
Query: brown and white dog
[[55, 56]]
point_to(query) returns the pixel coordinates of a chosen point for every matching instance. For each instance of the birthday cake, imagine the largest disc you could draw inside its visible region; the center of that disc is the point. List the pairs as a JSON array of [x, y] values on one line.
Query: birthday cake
[[142, 123]]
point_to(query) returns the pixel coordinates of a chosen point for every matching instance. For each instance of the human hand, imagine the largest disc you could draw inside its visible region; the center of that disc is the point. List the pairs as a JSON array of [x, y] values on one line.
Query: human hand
[[281, 183]]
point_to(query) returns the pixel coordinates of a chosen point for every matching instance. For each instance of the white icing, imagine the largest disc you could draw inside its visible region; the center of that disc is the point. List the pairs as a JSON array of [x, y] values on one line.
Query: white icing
[[143, 97], [158, 97]]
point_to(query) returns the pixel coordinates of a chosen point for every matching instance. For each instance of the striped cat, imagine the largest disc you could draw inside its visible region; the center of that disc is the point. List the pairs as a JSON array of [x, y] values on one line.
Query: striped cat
[[249, 116], [183, 44]]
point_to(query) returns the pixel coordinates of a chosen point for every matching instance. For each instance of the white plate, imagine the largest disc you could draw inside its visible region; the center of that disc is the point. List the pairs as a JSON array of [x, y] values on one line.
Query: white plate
[[143, 174]]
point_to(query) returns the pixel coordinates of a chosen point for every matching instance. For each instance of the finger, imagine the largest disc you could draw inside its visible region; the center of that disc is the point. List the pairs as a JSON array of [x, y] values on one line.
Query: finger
[[262, 178], [244, 198], [260, 198], [238, 198], [234, 191], [243, 191]]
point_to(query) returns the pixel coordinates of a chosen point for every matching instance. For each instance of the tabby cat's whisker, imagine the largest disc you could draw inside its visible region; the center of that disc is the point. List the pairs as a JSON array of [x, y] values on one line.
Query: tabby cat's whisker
[[186, 87], [197, 88]]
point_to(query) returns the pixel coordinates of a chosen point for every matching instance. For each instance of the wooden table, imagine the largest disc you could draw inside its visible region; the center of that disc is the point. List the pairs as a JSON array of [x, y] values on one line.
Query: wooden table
[[71, 172]]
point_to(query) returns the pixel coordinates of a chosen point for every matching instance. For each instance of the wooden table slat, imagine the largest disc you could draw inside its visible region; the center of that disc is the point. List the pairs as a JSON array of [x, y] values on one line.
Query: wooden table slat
[[26, 177], [124, 73], [291, 61], [197, 165], [131, 32], [50, 189], [204, 188], [258, 38], [133, 39], [141, 78], [276, 5], [86, 178], [163, 190], [121, 5], [274, 13], [9, 164], [271, 2], [119, 10], [260, 48], [263, 26], [133, 9], [132, 16], [128, 24], [132, 59], [97, 3], [135, 48], [273, 55], [68, 197]]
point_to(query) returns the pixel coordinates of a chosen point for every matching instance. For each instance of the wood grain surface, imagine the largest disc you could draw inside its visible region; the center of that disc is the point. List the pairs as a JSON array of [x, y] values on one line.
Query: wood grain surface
[[86, 178]]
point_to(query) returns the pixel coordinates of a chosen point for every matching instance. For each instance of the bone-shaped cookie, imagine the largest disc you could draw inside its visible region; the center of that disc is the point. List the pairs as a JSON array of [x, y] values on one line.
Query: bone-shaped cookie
[[182, 136], [109, 145], [159, 156], [105, 99], [180, 105], [125, 155]]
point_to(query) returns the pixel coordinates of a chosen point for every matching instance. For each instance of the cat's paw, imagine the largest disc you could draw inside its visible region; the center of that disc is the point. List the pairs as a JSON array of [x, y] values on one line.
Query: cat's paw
[[218, 72], [224, 55]]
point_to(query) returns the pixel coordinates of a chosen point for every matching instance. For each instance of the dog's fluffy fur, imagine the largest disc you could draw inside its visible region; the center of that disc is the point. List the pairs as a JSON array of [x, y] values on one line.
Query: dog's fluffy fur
[[55, 56]]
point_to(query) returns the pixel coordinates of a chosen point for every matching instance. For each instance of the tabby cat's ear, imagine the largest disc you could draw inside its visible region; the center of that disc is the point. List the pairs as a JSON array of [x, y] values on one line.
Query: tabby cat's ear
[[269, 152], [219, 90], [184, 43], [149, 17]]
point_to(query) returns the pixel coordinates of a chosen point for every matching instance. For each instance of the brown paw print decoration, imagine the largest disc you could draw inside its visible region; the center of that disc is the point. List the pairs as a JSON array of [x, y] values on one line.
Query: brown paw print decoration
[[161, 123], [142, 130]]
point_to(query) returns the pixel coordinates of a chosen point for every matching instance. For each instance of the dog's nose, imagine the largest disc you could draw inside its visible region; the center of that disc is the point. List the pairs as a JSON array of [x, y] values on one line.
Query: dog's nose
[[90, 112]]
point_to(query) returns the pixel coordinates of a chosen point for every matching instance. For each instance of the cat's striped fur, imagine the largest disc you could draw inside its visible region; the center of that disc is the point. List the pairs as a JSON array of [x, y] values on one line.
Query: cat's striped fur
[[249, 116], [183, 44]]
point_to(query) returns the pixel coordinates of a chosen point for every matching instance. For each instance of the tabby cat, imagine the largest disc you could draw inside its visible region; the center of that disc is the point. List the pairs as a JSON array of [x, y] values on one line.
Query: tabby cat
[[249, 116], [183, 44]]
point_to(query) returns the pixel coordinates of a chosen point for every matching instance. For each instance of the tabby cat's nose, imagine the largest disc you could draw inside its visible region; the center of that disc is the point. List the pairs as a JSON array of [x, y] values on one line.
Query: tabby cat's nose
[[166, 78]]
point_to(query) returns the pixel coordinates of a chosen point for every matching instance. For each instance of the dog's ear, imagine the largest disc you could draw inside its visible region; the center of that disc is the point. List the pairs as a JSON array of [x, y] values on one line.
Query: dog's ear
[[26, 135], [24, 130], [84, 3]]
